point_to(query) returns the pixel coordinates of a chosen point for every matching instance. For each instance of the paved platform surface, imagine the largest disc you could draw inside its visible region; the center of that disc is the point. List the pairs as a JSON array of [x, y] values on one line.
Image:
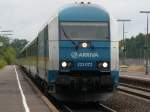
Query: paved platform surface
[[12, 99], [136, 75]]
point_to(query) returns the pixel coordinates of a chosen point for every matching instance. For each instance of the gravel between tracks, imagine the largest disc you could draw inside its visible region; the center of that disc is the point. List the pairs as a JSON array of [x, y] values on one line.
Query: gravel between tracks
[[126, 103]]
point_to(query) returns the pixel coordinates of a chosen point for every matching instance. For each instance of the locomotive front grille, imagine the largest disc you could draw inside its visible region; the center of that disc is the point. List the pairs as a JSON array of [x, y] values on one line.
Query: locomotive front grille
[[84, 82]]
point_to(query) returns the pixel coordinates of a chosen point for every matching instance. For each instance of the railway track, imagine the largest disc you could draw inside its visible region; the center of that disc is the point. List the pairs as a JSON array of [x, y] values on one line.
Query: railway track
[[95, 107], [135, 90], [135, 87], [67, 109], [107, 109], [134, 81]]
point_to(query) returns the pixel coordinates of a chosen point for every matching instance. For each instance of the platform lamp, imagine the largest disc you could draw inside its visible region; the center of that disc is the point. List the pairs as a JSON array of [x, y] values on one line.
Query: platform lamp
[[146, 42], [123, 35]]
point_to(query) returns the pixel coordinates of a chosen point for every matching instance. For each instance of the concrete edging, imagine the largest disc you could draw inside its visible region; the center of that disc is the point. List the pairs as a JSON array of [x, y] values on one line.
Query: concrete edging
[[51, 107]]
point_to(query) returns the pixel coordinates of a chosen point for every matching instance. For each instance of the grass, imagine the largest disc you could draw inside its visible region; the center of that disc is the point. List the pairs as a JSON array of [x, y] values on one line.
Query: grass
[[132, 68], [137, 68]]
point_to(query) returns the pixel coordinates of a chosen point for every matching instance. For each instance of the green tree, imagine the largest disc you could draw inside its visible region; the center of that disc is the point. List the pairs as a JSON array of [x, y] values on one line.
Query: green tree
[[5, 41], [18, 44], [9, 55], [135, 46], [9, 50]]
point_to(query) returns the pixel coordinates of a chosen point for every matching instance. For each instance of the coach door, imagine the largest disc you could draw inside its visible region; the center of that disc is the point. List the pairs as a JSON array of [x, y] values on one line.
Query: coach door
[[41, 55], [46, 50]]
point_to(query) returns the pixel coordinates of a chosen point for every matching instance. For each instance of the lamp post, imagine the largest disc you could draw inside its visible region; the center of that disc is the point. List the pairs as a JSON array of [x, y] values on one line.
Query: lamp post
[[123, 35], [146, 42]]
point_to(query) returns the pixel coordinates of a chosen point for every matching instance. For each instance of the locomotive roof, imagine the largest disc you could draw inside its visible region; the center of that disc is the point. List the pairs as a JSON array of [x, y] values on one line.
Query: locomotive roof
[[83, 12]]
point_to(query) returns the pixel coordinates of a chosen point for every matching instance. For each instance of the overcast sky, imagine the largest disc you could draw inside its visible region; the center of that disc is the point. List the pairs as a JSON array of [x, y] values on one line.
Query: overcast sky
[[25, 17]]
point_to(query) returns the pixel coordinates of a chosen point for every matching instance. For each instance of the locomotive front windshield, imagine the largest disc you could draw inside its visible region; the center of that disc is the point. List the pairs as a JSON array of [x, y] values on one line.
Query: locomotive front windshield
[[84, 31]]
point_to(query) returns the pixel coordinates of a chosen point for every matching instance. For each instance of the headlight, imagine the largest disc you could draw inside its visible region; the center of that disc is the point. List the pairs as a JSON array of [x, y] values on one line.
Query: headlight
[[64, 64], [84, 45], [105, 64]]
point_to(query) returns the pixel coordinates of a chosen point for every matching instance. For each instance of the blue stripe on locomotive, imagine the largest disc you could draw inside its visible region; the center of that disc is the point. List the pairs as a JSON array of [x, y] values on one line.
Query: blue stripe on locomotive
[[68, 52], [52, 75]]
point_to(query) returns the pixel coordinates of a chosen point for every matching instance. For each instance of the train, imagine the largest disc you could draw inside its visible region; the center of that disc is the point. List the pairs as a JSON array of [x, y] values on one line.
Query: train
[[75, 56]]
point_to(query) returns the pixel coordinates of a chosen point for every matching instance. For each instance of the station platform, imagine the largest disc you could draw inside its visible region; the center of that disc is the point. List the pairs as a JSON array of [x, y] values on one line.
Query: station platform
[[16, 94]]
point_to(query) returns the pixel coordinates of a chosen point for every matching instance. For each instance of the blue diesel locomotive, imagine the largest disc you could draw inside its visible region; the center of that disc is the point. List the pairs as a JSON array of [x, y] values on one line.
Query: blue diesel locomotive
[[75, 55]]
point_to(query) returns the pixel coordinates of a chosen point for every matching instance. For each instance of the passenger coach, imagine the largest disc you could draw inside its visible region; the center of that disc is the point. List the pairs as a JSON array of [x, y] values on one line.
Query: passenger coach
[[75, 56]]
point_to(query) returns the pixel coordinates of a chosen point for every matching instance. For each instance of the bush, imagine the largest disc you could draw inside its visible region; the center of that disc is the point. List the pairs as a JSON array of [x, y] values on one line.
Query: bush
[[2, 63], [9, 55]]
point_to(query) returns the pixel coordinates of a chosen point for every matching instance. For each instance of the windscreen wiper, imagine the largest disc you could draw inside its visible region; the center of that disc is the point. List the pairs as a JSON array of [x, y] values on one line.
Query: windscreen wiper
[[66, 36]]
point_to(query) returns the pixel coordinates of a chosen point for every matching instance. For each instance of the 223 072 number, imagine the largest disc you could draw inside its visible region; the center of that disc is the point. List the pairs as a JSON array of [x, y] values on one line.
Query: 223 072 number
[[85, 64]]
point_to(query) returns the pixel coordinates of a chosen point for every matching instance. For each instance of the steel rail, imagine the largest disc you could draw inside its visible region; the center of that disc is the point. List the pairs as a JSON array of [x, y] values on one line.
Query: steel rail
[[106, 108], [67, 109], [135, 91], [134, 87]]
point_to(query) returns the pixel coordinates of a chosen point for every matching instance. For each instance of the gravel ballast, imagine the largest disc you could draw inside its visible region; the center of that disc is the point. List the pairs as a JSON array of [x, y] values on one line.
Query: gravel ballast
[[122, 102]]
